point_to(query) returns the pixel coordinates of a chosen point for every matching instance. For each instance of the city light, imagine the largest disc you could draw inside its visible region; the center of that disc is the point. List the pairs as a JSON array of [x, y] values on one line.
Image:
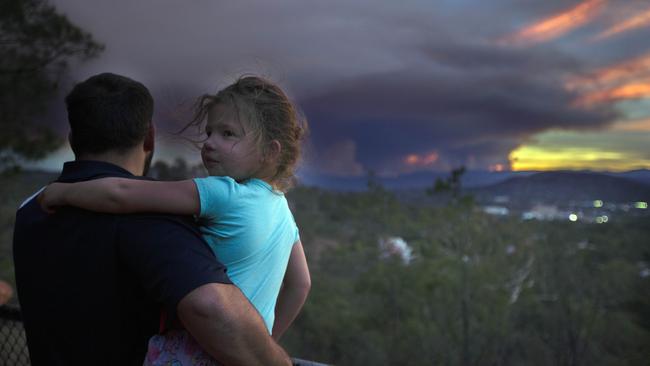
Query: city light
[[642, 205], [598, 203], [573, 217], [602, 219]]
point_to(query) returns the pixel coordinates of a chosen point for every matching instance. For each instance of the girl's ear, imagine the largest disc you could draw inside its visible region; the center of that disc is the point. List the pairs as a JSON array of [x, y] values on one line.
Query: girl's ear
[[274, 150]]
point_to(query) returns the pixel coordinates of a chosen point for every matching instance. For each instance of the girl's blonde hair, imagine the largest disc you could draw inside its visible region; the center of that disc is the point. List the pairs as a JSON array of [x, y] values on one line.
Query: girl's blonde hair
[[266, 110]]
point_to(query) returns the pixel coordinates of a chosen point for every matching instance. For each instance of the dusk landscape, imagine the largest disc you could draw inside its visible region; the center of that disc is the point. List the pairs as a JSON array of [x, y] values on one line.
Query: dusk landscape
[[475, 183]]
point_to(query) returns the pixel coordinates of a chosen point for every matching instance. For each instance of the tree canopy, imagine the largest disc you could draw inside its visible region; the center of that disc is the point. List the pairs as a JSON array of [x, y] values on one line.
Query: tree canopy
[[36, 45]]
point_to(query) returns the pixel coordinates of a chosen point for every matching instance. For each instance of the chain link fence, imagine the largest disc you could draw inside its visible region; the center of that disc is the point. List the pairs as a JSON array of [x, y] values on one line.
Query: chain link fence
[[13, 345]]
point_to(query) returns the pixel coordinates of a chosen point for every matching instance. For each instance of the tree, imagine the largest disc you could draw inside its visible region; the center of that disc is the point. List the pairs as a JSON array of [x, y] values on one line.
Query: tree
[[36, 44], [179, 170], [373, 182], [483, 290], [452, 186]]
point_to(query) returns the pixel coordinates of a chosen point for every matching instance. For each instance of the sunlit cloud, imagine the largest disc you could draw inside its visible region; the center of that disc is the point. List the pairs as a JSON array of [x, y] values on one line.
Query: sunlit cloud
[[627, 80], [421, 160], [638, 21], [632, 90], [617, 149], [557, 25], [622, 72], [542, 158]]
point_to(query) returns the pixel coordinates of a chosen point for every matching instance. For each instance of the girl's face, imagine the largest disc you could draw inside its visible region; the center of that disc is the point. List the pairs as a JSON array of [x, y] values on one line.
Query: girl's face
[[229, 150]]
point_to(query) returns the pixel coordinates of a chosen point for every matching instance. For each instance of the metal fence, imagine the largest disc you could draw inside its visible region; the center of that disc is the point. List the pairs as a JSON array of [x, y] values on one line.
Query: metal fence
[[13, 345]]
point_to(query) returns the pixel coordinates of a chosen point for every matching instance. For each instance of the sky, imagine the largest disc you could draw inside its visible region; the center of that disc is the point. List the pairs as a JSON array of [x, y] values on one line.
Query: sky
[[398, 87]]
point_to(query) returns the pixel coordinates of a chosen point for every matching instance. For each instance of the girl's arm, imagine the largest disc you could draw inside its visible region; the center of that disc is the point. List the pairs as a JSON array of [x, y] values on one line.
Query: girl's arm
[[293, 293], [121, 195]]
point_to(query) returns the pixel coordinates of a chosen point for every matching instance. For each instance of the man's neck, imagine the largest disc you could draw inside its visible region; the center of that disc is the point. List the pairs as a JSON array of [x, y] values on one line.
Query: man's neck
[[129, 161]]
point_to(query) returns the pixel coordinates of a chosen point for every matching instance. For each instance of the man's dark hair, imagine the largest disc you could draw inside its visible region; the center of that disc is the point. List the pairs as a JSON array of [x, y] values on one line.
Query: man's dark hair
[[108, 112]]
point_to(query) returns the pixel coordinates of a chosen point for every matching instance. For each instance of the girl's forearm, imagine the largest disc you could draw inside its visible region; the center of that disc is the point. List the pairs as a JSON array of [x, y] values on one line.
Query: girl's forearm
[[109, 195], [121, 195], [104, 195], [290, 301]]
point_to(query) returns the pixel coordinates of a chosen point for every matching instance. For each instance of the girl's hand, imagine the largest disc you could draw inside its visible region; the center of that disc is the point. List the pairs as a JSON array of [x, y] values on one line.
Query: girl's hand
[[52, 197]]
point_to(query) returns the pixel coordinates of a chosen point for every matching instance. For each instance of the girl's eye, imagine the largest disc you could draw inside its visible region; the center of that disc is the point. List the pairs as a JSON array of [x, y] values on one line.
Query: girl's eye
[[228, 133]]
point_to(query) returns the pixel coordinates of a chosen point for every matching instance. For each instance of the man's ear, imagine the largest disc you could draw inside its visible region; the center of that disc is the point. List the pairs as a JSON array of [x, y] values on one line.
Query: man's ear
[[150, 138], [71, 142]]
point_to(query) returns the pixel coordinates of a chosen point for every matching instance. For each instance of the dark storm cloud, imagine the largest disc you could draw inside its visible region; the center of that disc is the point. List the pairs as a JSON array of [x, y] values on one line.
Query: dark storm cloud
[[378, 80], [472, 105]]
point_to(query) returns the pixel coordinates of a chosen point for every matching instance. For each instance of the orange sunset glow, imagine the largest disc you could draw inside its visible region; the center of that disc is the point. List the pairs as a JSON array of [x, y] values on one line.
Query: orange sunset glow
[[634, 90], [421, 160], [557, 25], [637, 21], [621, 72], [528, 158], [625, 80], [497, 168]]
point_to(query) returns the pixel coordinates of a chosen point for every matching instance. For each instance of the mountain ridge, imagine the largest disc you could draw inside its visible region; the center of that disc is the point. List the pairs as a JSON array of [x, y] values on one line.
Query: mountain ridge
[[425, 179]]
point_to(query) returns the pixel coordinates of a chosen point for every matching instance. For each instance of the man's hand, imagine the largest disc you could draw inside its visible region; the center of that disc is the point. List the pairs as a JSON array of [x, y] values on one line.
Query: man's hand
[[227, 326]]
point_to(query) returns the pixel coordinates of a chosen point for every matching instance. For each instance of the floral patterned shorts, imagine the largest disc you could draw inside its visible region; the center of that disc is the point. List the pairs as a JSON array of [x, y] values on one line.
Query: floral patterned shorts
[[176, 348]]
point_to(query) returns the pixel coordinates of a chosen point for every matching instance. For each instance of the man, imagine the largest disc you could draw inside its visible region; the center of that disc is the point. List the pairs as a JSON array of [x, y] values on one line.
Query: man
[[91, 285]]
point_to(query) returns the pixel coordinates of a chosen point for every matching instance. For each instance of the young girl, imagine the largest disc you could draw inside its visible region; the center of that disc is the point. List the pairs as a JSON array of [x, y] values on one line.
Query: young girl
[[252, 146]]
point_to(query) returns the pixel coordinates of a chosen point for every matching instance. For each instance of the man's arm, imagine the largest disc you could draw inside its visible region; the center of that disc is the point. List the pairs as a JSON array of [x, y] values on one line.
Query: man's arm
[[178, 270], [227, 326]]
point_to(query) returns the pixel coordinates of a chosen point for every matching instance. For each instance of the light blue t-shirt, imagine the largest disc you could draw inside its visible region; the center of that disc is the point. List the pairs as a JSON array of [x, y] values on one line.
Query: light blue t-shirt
[[251, 230]]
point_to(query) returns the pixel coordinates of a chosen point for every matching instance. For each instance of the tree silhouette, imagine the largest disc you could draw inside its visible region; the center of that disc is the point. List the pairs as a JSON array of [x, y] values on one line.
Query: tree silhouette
[[36, 45]]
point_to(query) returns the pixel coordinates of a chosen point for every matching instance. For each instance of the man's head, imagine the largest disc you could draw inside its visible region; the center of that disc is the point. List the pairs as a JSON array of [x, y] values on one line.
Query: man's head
[[108, 113]]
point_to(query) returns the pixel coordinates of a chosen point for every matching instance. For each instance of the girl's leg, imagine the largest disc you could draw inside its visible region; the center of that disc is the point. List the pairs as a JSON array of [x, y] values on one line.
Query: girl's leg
[[176, 348]]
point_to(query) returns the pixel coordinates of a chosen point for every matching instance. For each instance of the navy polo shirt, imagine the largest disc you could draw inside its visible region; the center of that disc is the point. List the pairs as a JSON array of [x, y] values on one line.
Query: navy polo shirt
[[91, 285]]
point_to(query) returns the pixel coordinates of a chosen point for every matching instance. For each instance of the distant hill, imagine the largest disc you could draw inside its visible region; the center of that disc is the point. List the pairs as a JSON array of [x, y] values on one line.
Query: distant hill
[[567, 186], [417, 180], [425, 179], [641, 175], [536, 186]]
